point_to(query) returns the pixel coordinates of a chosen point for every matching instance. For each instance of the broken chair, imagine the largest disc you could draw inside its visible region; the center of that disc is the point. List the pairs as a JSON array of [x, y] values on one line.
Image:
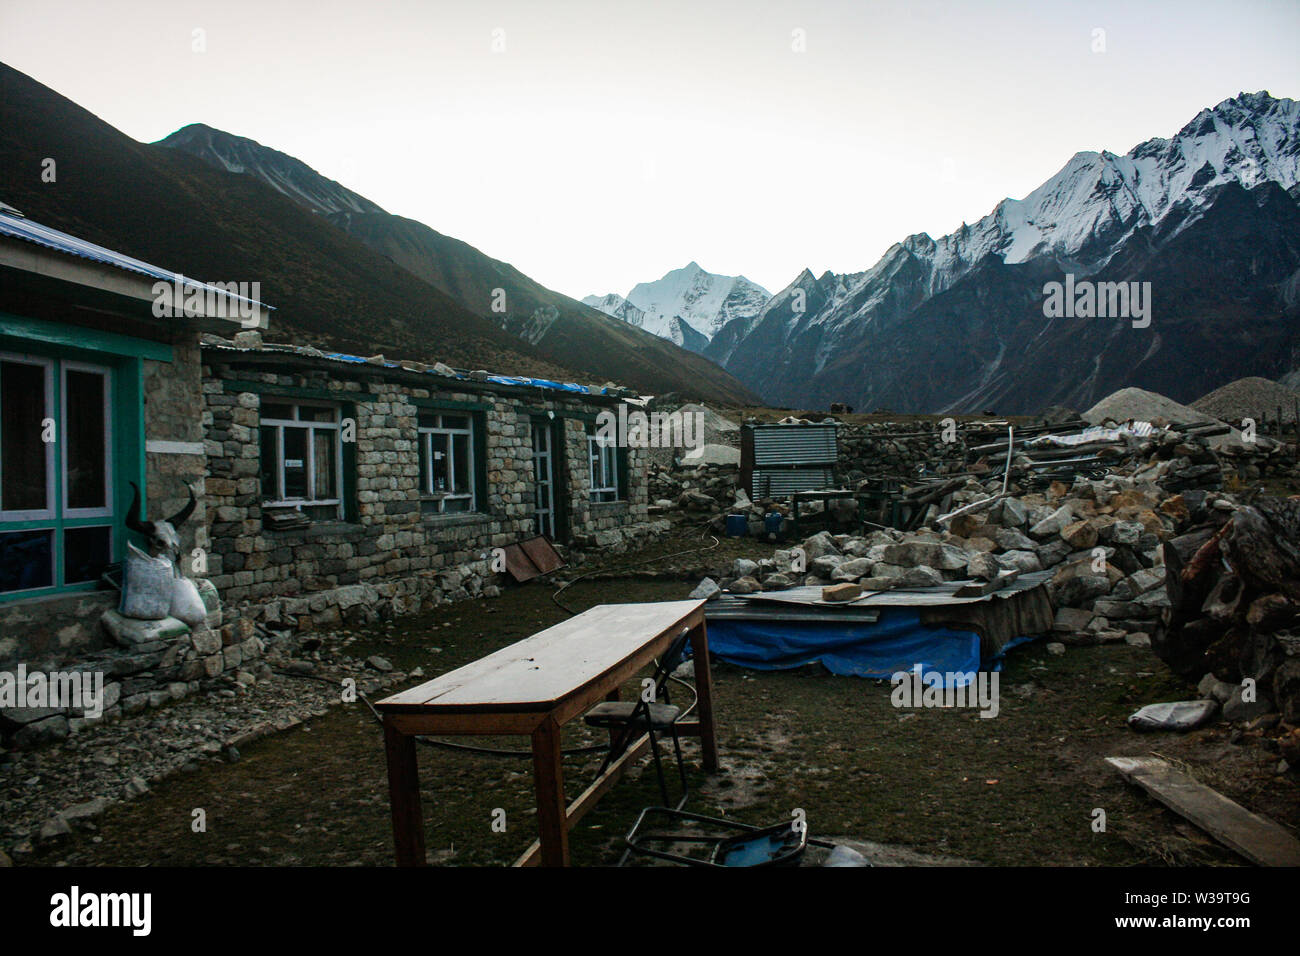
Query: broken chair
[[738, 844]]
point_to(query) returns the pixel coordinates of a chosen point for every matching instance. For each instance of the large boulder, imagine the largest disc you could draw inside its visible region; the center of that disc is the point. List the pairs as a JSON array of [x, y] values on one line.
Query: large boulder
[[711, 455], [1053, 524], [819, 545], [1074, 584]]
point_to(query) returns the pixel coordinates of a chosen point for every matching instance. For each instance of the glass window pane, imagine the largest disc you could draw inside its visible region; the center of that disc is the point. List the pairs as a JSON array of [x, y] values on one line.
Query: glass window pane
[[22, 452], [455, 421], [461, 461], [26, 560], [277, 410], [426, 419], [423, 445], [295, 462], [270, 491], [314, 413], [440, 462], [84, 439], [86, 552], [324, 463]]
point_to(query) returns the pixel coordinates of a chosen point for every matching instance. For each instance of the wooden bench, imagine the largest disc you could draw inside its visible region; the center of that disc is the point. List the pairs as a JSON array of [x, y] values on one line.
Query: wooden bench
[[535, 687]]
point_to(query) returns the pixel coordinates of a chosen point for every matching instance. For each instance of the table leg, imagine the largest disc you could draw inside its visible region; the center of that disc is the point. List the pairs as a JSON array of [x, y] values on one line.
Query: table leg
[[404, 796], [613, 695], [704, 688], [548, 780]]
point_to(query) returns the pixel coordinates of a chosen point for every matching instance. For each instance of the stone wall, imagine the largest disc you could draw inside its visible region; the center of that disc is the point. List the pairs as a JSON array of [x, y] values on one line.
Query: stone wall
[[391, 559], [173, 412]]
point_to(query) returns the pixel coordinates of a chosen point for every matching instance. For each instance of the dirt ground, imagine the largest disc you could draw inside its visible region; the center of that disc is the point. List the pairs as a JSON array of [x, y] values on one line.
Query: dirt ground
[[1021, 788]]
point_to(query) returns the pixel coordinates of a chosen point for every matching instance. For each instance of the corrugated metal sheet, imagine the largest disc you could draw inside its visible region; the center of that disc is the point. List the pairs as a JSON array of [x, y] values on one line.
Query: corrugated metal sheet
[[783, 482], [795, 445], [19, 227]]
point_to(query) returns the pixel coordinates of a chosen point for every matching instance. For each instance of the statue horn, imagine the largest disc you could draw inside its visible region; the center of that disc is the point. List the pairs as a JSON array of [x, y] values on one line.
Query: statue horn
[[180, 517], [133, 514]]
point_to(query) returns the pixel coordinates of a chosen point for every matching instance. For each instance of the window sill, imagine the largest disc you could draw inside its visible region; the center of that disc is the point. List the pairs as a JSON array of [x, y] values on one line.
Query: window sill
[[456, 518]]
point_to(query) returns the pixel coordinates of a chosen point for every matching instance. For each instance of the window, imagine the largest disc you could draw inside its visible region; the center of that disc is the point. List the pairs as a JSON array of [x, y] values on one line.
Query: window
[[56, 489], [301, 460], [603, 455], [446, 451]]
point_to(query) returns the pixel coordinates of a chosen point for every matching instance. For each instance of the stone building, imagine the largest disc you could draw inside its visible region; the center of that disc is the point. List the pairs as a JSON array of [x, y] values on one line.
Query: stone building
[[330, 488], [342, 488]]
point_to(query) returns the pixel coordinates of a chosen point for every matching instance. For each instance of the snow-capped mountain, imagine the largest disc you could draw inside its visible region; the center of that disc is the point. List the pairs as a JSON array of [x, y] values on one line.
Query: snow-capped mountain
[[1098, 211], [687, 305]]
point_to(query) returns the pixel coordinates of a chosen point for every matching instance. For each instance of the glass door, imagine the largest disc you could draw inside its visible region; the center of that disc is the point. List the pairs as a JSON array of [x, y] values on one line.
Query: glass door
[[543, 479]]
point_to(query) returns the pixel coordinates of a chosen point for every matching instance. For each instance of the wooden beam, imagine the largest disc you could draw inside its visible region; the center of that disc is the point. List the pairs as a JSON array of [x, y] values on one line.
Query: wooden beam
[[1257, 838], [587, 799]]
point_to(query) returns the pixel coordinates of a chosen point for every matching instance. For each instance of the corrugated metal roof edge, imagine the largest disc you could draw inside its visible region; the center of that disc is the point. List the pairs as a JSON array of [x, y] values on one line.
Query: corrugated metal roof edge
[[39, 234]]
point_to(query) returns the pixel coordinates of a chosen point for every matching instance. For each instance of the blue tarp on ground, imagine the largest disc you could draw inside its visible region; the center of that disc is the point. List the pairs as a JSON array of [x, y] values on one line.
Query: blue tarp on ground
[[898, 641]]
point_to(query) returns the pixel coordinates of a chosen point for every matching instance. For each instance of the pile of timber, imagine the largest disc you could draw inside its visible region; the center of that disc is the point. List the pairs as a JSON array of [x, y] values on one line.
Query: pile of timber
[[1036, 462], [1233, 582]]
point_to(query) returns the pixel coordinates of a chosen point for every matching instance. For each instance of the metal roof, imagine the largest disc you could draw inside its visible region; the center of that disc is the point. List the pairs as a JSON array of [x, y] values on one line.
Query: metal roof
[[18, 226]]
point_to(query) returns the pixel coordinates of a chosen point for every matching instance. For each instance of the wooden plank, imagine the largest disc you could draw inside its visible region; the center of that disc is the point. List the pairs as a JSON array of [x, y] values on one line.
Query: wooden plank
[[540, 670], [465, 724], [542, 553], [404, 796], [588, 798], [1257, 838], [582, 698], [518, 565], [548, 783]]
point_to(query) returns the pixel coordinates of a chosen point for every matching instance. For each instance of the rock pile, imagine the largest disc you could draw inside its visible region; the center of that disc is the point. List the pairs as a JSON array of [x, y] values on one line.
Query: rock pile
[[1110, 542], [1254, 398]]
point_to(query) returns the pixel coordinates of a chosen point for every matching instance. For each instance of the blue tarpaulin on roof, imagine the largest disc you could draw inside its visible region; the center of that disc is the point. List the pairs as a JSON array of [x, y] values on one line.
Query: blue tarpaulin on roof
[[897, 641], [539, 383]]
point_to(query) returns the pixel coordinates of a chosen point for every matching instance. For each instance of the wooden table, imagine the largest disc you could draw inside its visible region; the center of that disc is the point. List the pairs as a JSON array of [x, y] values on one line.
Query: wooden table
[[534, 687]]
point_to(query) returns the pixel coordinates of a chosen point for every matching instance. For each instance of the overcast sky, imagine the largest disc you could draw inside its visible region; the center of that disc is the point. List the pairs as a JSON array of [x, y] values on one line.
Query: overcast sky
[[597, 144]]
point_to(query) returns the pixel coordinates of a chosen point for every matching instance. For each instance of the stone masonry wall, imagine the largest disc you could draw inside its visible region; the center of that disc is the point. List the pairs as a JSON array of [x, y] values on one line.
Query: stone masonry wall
[[392, 559]]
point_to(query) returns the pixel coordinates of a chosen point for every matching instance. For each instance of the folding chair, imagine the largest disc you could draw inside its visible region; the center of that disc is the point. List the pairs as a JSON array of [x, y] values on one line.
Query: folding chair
[[629, 719]]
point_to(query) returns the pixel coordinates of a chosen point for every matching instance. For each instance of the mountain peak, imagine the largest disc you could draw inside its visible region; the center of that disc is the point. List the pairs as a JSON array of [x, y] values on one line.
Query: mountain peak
[[290, 176]]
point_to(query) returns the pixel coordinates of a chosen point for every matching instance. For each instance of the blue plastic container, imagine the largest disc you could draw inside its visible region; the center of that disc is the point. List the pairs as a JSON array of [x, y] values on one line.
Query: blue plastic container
[[737, 526]]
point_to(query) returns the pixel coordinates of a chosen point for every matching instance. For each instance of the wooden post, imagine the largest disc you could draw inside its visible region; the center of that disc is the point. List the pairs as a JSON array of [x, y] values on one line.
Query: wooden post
[[704, 687], [548, 781], [404, 796]]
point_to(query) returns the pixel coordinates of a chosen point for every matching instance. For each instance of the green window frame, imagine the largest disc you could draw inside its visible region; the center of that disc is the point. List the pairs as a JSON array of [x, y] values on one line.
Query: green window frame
[[83, 504]]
